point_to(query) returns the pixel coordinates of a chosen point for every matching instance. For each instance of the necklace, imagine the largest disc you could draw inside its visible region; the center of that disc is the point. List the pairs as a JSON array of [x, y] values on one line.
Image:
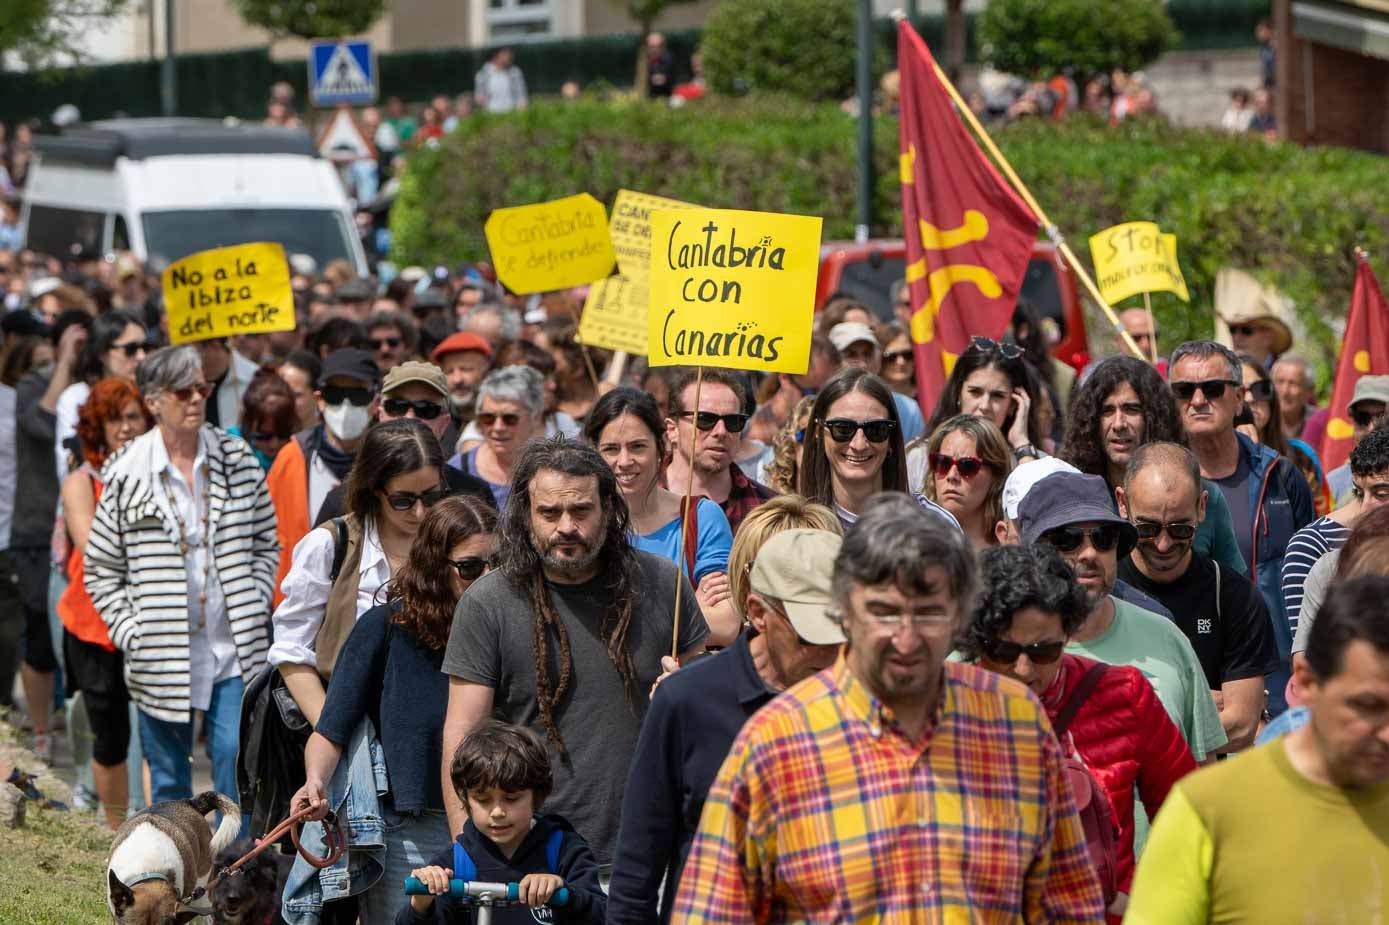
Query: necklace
[[205, 542]]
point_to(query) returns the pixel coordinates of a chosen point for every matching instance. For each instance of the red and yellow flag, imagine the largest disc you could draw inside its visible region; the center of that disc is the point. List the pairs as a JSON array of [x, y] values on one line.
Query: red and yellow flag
[[969, 236], [1364, 352]]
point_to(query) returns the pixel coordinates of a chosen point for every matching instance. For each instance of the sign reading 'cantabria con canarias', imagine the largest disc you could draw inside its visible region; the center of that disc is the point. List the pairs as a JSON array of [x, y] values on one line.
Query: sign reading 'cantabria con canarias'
[[733, 289]]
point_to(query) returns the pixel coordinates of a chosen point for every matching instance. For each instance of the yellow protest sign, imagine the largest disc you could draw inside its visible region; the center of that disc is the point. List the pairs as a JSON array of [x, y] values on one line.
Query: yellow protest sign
[[550, 245], [630, 227], [1133, 258], [614, 315], [229, 290], [733, 289]]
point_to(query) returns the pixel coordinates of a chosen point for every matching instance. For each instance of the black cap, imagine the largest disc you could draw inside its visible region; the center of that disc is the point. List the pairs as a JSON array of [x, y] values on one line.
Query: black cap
[[352, 363], [430, 300], [354, 290], [23, 323], [1065, 498]]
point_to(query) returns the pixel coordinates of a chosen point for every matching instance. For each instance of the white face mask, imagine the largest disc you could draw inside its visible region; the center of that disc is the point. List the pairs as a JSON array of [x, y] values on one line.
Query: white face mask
[[347, 421]]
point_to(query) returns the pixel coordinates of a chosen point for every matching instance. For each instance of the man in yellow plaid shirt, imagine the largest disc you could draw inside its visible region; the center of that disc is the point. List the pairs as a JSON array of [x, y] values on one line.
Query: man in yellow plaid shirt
[[894, 787]]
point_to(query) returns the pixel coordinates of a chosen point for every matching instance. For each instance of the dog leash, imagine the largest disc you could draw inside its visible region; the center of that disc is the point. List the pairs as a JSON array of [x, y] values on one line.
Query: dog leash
[[333, 836]]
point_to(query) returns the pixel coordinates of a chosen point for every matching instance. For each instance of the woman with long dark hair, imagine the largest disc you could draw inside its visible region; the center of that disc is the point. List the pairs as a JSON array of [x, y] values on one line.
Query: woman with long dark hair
[[853, 445], [116, 344], [268, 416], [1262, 402], [389, 673], [992, 380]]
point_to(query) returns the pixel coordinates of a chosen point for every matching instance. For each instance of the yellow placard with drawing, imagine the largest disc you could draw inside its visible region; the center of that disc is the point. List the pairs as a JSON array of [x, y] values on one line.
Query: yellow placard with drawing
[[733, 289], [630, 227], [228, 290], [614, 315], [1134, 258], [550, 245]]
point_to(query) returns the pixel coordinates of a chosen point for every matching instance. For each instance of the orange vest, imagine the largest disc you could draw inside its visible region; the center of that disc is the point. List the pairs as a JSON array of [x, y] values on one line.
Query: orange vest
[[288, 483], [75, 607]]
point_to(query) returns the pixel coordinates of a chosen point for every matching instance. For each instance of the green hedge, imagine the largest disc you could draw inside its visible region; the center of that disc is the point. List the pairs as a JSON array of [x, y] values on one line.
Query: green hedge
[[1291, 215]]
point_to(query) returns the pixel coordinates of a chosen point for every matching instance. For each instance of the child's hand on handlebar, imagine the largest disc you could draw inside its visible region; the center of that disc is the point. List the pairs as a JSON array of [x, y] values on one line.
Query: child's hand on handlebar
[[536, 889], [436, 878]]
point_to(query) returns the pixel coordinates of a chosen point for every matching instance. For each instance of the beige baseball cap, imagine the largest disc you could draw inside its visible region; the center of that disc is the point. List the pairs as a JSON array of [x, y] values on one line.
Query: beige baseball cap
[[794, 567], [415, 371]]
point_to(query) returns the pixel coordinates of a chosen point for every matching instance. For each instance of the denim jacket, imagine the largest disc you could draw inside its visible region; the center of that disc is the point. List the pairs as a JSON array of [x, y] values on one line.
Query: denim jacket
[[354, 793]]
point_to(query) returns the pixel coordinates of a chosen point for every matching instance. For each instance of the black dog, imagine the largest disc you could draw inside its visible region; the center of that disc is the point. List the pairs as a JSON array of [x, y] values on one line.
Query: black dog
[[251, 894]]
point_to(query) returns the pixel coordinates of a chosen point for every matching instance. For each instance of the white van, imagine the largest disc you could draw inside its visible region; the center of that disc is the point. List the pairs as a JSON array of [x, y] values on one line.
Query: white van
[[167, 188]]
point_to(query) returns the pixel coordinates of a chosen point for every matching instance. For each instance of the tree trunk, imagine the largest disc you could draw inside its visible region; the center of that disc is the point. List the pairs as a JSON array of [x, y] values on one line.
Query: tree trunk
[[954, 39], [640, 87]]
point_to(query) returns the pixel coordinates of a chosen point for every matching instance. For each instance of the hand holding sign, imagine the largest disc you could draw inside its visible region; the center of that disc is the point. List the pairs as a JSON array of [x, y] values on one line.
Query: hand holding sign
[[229, 290], [550, 245]]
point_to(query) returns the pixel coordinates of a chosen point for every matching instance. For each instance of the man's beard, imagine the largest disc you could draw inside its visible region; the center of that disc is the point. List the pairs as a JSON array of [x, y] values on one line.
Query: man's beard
[[569, 566]]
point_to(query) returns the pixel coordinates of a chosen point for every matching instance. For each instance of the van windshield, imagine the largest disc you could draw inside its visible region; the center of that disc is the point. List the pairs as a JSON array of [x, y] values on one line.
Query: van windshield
[[320, 233]]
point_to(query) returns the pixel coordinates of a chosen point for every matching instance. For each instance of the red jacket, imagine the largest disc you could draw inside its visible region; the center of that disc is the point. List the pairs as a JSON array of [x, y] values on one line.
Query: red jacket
[[1127, 740]]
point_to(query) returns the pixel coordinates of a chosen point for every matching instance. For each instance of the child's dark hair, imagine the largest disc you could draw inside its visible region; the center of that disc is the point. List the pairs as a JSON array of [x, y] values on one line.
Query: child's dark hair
[[510, 758]]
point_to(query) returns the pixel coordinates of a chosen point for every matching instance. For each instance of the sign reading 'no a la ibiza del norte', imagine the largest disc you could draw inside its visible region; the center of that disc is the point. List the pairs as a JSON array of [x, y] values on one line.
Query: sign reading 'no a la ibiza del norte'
[[734, 289]]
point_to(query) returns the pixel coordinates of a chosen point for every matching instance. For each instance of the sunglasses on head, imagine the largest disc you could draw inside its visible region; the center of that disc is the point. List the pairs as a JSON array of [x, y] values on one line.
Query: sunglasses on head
[[1068, 539], [1258, 390], [897, 356], [405, 500], [470, 568], [487, 418], [708, 420], [424, 410], [1364, 418], [989, 345], [1179, 531], [337, 394], [1211, 388], [203, 390], [133, 348], [376, 343], [969, 466], [1243, 330], [842, 430], [1039, 653]]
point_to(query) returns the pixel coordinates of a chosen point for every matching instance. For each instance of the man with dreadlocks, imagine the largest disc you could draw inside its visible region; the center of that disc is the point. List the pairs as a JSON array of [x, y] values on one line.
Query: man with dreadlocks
[[567, 635]]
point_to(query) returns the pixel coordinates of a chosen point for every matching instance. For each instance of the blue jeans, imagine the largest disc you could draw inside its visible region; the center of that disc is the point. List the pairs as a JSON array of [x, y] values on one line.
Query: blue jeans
[[169, 746], [411, 840]]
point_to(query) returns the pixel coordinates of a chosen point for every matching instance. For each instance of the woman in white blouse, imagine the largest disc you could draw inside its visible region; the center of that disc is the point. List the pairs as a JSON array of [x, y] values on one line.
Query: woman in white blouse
[[115, 346], [339, 567]]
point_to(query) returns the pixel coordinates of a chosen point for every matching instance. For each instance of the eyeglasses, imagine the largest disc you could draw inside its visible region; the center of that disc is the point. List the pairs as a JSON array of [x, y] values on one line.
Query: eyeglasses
[[376, 343], [265, 436], [1244, 330], [897, 356], [471, 568], [1179, 531], [405, 500], [842, 430], [1068, 539], [487, 418], [969, 466], [424, 410], [203, 390], [989, 345], [133, 348], [337, 394], [895, 621], [708, 420], [1258, 390], [1039, 653], [1211, 388]]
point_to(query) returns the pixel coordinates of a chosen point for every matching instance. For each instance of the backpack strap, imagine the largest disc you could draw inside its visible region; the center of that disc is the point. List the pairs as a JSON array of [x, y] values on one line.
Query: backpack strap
[[463, 866], [689, 515], [1218, 617], [552, 846], [339, 525], [1073, 703]]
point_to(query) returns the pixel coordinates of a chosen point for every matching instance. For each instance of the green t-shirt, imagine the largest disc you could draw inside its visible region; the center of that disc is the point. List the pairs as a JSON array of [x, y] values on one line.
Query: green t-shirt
[[1251, 841]]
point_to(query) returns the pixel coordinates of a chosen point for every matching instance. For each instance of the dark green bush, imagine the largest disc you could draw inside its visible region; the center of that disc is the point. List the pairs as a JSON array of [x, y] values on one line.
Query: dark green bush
[[1038, 38], [1289, 214], [802, 47]]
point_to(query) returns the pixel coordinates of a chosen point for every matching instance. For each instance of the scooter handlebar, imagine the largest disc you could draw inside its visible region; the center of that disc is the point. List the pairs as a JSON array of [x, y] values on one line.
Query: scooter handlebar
[[476, 889]]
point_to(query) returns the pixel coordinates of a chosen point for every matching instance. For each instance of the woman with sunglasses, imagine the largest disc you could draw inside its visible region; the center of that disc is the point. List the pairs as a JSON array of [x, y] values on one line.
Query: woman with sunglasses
[[1029, 604], [389, 672], [269, 417], [626, 428], [967, 461], [899, 366], [116, 344], [510, 411], [853, 445], [394, 481], [992, 380], [1262, 402]]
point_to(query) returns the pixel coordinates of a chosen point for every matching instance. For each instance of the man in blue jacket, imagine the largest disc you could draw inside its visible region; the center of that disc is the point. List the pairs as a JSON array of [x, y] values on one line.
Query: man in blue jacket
[[1268, 497]]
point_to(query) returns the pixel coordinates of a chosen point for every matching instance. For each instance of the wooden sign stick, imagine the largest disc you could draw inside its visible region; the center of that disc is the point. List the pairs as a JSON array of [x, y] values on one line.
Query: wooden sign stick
[[684, 512], [1152, 327]]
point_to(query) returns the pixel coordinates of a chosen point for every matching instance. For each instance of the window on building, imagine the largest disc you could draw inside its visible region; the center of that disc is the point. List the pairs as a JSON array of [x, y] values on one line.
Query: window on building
[[519, 18]]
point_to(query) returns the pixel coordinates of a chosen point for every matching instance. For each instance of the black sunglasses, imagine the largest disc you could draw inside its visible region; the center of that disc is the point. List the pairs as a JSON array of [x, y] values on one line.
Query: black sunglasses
[[842, 430], [487, 418], [424, 410], [376, 343], [1259, 390], [1068, 539], [989, 345], [1181, 532], [708, 420], [470, 568], [1365, 418], [969, 466], [1243, 330], [265, 436], [1039, 653], [134, 347], [405, 500], [337, 394], [1211, 388], [895, 356]]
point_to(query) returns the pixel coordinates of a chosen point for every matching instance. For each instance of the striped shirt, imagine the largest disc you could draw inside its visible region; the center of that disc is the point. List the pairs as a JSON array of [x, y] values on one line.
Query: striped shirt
[[824, 811], [1307, 546]]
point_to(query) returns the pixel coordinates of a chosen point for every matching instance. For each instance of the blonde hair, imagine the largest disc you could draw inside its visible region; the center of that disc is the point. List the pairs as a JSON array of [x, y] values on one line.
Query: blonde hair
[[990, 446], [784, 512], [782, 473]]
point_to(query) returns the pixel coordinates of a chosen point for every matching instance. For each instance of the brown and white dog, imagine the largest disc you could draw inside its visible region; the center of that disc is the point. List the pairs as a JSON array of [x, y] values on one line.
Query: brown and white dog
[[161, 860]]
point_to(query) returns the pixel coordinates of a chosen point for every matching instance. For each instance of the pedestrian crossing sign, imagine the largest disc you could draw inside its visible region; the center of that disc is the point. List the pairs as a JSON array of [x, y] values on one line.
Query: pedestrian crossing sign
[[341, 72]]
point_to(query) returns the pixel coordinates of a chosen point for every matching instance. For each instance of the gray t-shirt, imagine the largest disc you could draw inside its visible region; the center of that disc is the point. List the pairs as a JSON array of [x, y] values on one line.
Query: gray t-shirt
[[1235, 488], [491, 644]]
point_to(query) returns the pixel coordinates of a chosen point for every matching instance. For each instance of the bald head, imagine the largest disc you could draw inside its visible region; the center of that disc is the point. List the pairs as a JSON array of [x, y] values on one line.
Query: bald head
[[1173, 462], [1143, 332], [1162, 496]]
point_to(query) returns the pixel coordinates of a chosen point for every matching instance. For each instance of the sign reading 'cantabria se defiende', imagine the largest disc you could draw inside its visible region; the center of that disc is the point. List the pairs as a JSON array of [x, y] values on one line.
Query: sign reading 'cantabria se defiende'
[[550, 245], [733, 289]]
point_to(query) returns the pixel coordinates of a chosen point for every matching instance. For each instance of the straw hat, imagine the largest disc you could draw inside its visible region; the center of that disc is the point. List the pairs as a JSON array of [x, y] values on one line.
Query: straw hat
[[1242, 299]]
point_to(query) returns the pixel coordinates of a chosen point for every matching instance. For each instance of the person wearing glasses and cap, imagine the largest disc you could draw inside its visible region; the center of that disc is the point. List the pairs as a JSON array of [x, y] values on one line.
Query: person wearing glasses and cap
[[1029, 604], [1366, 409], [1071, 512], [1220, 611]]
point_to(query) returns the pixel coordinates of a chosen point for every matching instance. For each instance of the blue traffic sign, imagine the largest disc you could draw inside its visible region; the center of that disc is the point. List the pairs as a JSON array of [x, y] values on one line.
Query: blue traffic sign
[[341, 72]]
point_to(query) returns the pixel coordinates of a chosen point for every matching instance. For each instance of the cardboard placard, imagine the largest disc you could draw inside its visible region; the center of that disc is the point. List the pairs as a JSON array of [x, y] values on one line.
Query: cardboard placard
[[229, 290], [550, 245], [614, 315], [1134, 258], [630, 227], [733, 289]]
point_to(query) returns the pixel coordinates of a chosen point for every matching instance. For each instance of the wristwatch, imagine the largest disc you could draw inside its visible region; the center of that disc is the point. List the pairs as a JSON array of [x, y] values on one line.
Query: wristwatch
[[1026, 451]]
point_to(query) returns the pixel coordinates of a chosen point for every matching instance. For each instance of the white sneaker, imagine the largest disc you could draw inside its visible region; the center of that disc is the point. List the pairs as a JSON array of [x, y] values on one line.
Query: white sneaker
[[43, 747]]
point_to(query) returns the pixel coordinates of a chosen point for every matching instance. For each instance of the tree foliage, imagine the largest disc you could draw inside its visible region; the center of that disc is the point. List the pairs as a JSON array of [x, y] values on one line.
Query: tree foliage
[[311, 19], [1039, 38], [44, 33], [802, 47]]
